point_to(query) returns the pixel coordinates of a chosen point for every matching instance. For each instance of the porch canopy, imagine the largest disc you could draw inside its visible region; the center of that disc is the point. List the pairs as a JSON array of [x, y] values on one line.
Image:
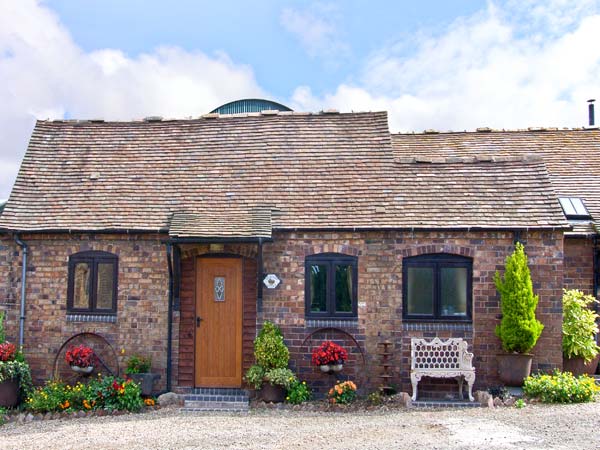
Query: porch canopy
[[232, 223]]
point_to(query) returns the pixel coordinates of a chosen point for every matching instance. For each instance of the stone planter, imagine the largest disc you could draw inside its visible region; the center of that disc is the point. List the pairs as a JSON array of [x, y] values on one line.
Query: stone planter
[[82, 370], [9, 393], [272, 394], [577, 366], [513, 368], [146, 381], [329, 368]]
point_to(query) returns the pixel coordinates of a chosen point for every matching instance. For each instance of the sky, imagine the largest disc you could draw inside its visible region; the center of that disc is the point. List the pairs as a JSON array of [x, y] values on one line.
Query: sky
[[445, 65]]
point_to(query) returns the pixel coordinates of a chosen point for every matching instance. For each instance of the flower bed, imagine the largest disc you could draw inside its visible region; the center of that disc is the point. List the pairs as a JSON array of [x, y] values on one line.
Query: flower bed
[[561, 387], [101, 393]]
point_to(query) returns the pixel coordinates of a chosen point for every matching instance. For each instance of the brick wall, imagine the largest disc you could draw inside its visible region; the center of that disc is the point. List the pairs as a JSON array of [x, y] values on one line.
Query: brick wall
[[141, 325], [10, 283], [380, 298], [143, 288], [579, 264]]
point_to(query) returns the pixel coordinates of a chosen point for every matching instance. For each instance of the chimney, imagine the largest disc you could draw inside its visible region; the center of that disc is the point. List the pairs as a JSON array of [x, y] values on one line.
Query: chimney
[[591, 111]]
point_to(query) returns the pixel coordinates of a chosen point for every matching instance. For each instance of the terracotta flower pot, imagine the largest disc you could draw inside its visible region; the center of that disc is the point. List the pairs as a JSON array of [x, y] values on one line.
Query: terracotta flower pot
[[513, 368], [577, 366], [272, 394], [9, 393]]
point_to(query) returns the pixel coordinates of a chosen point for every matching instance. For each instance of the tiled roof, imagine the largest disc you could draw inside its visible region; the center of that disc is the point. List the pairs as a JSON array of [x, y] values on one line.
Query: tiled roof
[[226, 223], [572, 156], [314, 171]]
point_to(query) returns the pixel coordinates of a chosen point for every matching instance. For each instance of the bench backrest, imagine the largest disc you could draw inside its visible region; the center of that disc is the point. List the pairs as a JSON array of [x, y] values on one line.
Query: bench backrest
[[440, 355]]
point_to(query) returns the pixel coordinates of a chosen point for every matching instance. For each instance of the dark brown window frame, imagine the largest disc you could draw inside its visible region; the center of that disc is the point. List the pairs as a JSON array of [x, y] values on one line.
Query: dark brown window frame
[[93, 258], [331, 259], [436, 261]]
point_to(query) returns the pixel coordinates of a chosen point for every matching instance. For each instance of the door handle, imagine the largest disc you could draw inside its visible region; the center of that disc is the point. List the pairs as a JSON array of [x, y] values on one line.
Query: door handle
[[198, 319]]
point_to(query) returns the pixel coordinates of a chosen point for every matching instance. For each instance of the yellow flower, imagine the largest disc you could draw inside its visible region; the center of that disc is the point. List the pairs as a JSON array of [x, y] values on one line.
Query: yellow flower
[[122, 351]]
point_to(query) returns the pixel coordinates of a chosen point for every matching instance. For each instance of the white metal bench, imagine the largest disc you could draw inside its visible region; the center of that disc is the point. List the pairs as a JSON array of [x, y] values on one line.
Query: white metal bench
[[441, 359]]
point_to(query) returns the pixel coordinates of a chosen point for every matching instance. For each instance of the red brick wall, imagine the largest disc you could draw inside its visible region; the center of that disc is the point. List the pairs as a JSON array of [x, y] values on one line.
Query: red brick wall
[[143, 290], [579, 264], [380, 296], [141, 325], [10, 285]]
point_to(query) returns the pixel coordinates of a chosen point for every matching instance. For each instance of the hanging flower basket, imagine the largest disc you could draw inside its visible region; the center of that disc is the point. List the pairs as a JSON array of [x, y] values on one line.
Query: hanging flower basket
[[82, 370], [81, 359], [329, 357]]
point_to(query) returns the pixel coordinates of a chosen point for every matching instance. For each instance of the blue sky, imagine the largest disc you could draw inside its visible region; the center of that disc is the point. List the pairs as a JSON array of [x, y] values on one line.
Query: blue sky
[[253, 32], [446, 65]]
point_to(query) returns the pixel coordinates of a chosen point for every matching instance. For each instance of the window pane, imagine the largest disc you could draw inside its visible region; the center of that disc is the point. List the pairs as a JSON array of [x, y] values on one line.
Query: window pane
[[318, 288], [343, 288], [104, 299], [81, 286], [454, 291], [420, 290]]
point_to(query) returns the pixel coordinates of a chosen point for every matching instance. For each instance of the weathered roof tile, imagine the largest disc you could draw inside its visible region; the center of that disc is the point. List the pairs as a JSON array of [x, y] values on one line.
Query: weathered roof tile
[[208, 177]]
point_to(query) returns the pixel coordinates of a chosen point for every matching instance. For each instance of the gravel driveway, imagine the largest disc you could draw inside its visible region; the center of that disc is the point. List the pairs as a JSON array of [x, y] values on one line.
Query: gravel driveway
[[534, 427]]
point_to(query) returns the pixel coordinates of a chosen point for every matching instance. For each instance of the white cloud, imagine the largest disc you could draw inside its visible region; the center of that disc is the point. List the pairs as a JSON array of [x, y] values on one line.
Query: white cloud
[[44, 74], [316, 30], [501, 67]]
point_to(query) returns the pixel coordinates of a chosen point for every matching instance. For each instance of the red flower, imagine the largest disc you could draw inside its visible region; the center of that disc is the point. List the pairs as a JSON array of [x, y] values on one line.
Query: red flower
[[7, 351], [81, 356], [329, 353]]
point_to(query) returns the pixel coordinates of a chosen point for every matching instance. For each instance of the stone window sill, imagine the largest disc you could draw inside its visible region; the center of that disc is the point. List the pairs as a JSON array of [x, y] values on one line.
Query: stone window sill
[[103, 318]]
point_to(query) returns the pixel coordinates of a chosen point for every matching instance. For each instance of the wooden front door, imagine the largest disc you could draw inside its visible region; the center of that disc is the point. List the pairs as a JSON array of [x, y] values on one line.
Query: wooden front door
[[218, 322]]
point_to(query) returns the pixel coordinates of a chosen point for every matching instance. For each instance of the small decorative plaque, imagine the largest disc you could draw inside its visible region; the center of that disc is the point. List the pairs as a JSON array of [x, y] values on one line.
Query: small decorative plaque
[[271, 281]]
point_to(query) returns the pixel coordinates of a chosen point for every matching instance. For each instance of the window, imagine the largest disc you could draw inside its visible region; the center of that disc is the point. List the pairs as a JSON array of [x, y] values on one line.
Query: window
[[331, 286], [574, 208], [437, 287], [92, 283]]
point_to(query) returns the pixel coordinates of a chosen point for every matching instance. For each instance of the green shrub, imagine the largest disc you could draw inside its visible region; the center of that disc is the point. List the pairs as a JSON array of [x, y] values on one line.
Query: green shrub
[[280, 377], [254, 376], [375, 398], [519, 330], [562, 387], [343, 392], [269, 349], [2, 334], [138, 364], [579, 326], [298, 392]]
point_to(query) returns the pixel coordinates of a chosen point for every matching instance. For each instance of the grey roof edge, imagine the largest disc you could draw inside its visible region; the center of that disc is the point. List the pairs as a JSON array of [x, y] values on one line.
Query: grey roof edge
[[165, 231]]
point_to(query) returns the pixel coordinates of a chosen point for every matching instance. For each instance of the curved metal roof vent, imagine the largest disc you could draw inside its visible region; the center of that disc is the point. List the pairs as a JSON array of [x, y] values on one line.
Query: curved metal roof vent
[[249, 105]]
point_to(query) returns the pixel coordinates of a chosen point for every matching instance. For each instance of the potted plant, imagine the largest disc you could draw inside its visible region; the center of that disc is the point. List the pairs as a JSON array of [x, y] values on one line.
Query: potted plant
[[579, 330], [270, 375], [15, 376], [519, 329], [138, 368], [81, 359], [329, 357]]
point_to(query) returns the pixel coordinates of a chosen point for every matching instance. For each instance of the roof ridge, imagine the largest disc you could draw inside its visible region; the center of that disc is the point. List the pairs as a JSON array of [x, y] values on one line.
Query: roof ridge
[[482, 158], [485, 130], [212, 116]]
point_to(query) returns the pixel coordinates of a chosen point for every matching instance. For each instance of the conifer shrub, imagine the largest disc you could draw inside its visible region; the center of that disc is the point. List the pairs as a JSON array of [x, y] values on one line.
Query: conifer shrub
[[519, 330]]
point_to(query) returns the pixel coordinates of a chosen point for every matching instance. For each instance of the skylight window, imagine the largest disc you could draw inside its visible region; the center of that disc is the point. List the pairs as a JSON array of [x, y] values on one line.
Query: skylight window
[[574, 208]]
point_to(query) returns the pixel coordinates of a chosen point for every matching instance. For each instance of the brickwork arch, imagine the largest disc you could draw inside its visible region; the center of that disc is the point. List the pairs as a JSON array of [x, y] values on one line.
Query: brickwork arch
[[438, 248], [343, 249]]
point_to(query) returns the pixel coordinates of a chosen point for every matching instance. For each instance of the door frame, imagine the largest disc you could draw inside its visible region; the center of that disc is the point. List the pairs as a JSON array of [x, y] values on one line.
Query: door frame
[[241, 312]]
